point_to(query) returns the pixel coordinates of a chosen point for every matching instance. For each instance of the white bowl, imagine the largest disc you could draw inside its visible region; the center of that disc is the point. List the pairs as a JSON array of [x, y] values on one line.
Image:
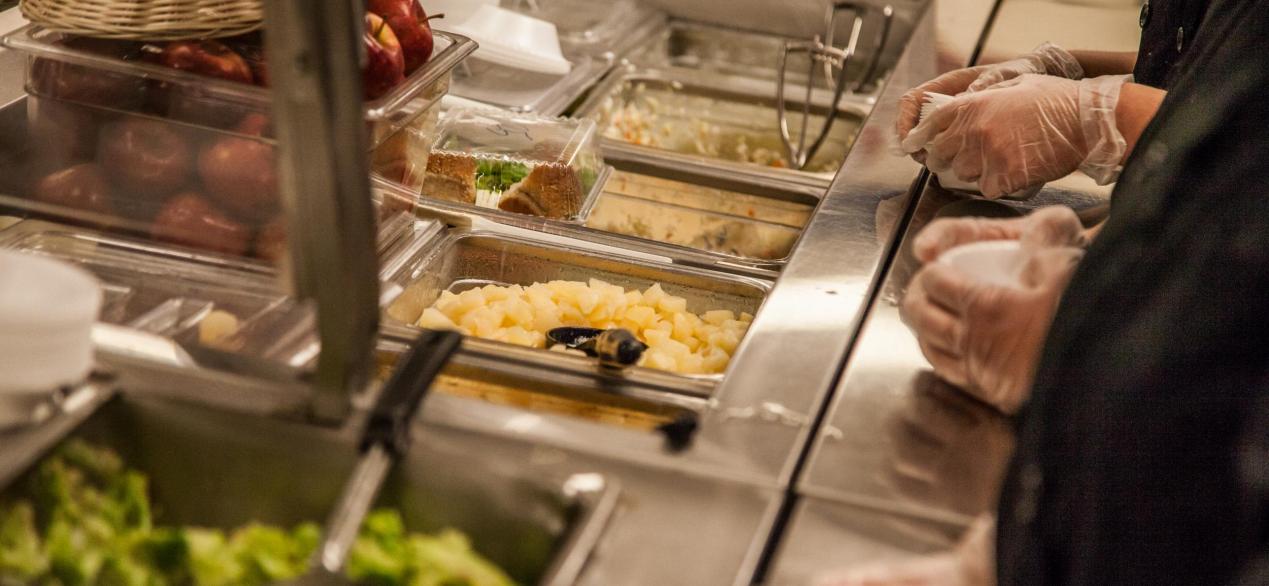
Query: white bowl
[[47, 310], [999, 262]]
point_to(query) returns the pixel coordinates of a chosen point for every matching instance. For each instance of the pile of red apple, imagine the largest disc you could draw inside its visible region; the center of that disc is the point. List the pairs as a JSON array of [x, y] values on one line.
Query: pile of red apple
[[194, 186]]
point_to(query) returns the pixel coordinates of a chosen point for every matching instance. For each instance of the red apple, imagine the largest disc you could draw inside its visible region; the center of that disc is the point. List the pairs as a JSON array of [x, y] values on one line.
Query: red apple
[[385, 63], [390, 8], [209, 58], [410, 24], [251, 47], [81, 187], [60, 133], [146, 158], [271, 240], [191, 220], [241, 173]]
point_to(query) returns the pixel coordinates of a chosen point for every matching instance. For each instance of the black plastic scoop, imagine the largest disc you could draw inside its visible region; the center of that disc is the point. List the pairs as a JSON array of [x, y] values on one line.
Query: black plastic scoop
[[385, 438], [616, 348]]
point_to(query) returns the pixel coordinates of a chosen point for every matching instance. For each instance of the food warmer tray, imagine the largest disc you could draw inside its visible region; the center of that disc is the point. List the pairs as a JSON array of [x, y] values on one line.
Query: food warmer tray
[[222, 468]]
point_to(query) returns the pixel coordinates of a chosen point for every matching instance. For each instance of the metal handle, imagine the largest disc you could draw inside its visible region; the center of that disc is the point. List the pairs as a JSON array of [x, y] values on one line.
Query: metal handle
[[323, 176], [389, 421]]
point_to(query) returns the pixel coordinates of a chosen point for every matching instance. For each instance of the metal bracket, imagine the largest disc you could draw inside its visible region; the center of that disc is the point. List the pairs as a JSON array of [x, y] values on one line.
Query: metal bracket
[[833, 60]]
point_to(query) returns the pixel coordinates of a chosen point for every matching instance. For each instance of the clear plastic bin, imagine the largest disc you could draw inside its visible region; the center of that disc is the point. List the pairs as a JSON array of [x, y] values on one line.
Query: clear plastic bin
[[116, 139]]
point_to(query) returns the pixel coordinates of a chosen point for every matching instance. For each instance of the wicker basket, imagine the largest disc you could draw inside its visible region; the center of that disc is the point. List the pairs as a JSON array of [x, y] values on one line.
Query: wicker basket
[[146, 19]]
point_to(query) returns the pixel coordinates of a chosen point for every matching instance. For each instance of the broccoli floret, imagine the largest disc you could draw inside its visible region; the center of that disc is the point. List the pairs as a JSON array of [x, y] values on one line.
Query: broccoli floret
[[21, 554], [211, 561], [268, 554]]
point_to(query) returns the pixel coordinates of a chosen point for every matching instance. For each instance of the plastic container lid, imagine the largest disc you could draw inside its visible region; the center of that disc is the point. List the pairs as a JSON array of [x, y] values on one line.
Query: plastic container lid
[[514, 40], [998, 262], [47, 310]]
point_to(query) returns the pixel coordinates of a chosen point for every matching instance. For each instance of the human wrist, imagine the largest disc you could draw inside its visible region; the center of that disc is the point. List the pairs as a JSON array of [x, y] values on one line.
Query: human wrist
[[1136, 108], [1099, 98]]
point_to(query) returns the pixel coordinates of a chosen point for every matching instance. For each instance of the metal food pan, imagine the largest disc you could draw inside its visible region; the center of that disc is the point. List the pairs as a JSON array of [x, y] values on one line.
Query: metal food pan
[[495, 380], [725, 223], [464, 259], [222, 469], [709, 120], [701, 46]]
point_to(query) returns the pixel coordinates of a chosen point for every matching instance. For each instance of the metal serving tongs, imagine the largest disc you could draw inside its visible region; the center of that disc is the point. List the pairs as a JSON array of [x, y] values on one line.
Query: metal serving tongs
[[384, 439], [821, 53]]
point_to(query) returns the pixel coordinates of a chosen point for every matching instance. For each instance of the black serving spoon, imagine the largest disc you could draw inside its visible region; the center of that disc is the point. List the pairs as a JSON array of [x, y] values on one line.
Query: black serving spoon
[[615, 348]]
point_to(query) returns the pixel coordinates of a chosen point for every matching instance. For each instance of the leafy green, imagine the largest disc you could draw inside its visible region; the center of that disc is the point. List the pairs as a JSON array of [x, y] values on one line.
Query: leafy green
[[499, 176], [384, 554], [88, 521]]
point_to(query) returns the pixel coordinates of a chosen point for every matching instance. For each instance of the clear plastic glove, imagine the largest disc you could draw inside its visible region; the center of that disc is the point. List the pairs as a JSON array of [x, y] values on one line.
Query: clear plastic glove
[[1024, 132], [1053, 226], [984, 338], [972, 563], [1047, 59]]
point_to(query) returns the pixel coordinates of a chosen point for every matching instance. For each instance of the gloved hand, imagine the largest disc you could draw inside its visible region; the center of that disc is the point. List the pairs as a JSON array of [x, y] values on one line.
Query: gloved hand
[[1026, 131], [1053, 226], [1047, 59], [985, 338], [972, 563]]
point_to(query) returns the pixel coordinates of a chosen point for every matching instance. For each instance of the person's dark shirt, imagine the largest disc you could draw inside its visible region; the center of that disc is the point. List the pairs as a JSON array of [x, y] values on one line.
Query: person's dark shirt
[[1168, 29], [1128, 462]]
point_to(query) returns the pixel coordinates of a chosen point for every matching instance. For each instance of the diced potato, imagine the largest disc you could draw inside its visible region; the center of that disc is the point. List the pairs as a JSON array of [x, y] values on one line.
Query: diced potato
[[216, 326], [672, 304], [520, 336], [587, 300], [469, 300], [433, 319], [644, 316], [659, 360], [716, 361], [678, 340], [653, 295], [691, 364], [656, 338], [518, 312], [746, 317], [718, 316]]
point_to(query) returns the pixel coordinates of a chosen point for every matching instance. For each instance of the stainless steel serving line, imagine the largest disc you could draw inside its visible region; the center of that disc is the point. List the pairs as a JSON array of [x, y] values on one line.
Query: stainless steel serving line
[[745, 493]]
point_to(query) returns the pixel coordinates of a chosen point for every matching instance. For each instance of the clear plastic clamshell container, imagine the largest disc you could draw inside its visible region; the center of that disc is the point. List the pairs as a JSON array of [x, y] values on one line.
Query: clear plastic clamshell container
[[119, 137], [513, 290], [721, 221], [233, 497], [516, 163]]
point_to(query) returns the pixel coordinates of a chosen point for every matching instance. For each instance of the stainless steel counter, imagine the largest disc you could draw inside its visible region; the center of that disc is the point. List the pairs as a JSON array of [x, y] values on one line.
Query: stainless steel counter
[[706, 515]]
